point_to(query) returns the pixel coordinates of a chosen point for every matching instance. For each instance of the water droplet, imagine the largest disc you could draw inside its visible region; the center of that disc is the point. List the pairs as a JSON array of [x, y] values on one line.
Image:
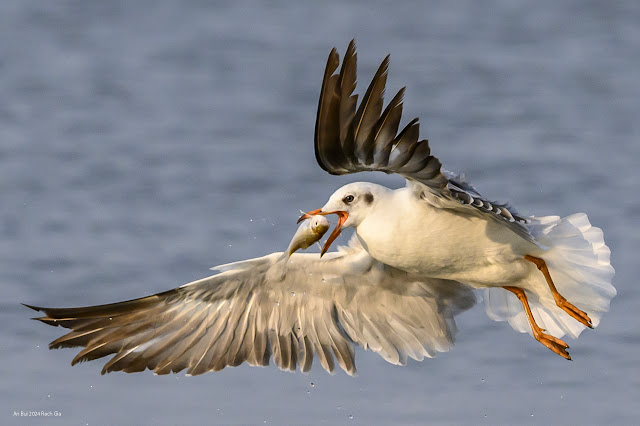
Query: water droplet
[[313, 385], [350, 416], [485, 416], [293, 294], [277, 303], [49, 396], [323, 280], [110, 318], [250, 220], [339, 407], [482, 380], [38, 347]]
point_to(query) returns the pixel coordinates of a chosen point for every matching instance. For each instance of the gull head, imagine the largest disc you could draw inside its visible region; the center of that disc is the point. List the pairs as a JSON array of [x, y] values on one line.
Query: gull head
[[352, 203]]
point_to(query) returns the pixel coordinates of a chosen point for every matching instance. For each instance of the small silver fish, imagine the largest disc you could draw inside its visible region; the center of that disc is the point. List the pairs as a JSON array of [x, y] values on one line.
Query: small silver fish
[[309, 232]]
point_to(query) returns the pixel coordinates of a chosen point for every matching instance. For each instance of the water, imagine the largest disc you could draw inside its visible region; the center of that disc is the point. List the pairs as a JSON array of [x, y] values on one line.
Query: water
[[141, 144]]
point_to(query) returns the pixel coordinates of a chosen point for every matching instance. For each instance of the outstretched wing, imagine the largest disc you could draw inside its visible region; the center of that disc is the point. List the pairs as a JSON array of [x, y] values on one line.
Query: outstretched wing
[[251, 311], [350, 140]]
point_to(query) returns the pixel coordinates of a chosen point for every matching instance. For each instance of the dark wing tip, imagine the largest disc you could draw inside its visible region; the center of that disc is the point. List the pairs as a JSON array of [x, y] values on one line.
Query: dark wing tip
[[350, 140], [47, 320], [35, 308], [352, 45], [326, 126]]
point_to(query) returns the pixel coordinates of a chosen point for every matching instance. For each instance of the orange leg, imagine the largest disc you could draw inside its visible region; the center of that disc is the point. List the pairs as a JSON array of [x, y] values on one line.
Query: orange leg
[[553, 343], [569, 308]]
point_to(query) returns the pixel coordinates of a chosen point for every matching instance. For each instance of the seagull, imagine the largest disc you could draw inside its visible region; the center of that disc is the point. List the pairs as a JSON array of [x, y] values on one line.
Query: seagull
[[417, 258]]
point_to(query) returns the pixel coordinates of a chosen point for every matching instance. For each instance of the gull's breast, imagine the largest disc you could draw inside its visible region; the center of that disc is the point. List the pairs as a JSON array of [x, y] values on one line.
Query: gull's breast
[[434, 242]]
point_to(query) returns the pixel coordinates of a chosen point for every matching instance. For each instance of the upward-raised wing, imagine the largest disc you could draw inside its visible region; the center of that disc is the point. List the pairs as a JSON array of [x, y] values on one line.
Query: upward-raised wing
[[250, 311], [350, 140]]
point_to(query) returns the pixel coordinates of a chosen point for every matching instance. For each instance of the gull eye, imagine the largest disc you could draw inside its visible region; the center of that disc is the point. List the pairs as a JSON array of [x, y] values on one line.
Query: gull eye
[[348, 199]]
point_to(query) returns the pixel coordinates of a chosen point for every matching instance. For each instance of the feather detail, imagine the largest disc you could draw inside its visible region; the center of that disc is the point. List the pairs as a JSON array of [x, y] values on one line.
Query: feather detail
[[241, 316]]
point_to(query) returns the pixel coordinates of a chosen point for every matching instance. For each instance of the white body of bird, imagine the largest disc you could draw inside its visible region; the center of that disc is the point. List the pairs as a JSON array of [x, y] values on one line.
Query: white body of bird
[[411, 232], [404, 231]]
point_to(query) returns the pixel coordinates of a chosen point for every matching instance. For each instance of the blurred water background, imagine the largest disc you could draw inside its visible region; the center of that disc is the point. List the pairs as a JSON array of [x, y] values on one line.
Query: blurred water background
[[143, 142]]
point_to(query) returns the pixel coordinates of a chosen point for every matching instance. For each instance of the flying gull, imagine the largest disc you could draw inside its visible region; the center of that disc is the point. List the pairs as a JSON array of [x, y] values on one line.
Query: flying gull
[[413, 263]]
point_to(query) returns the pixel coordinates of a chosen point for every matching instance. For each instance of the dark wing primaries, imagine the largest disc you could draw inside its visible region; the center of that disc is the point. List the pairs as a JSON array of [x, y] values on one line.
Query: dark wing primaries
[[367, 139]]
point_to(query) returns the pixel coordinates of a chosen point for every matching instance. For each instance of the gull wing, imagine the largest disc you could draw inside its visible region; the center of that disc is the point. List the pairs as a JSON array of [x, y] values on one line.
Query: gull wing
[[254, 310], [350, 140]]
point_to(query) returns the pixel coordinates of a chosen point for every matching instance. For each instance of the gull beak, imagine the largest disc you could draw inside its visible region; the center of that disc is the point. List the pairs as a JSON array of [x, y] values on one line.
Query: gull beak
[[342, 218]]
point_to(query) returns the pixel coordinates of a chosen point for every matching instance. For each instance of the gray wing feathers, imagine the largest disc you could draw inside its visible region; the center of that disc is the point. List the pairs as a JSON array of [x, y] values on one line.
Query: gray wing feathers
[[321, 307], [467, 194]]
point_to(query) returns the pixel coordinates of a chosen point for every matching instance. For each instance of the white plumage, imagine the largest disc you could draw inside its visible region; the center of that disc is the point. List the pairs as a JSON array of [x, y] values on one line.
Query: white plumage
[[578, 261], [410, 230]]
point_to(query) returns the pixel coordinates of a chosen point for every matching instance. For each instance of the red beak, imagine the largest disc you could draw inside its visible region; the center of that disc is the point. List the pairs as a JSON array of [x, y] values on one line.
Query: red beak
[[342, 218]]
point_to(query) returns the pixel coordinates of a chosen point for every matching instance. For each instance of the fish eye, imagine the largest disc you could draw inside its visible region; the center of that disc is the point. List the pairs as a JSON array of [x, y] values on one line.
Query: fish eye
[[348, 199]]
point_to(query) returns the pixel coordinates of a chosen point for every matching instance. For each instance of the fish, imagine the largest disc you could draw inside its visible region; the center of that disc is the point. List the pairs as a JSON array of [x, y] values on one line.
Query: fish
[[309, 232]]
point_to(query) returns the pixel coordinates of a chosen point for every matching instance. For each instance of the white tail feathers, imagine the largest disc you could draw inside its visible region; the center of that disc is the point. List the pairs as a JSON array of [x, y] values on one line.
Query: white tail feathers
[[578, 261]]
